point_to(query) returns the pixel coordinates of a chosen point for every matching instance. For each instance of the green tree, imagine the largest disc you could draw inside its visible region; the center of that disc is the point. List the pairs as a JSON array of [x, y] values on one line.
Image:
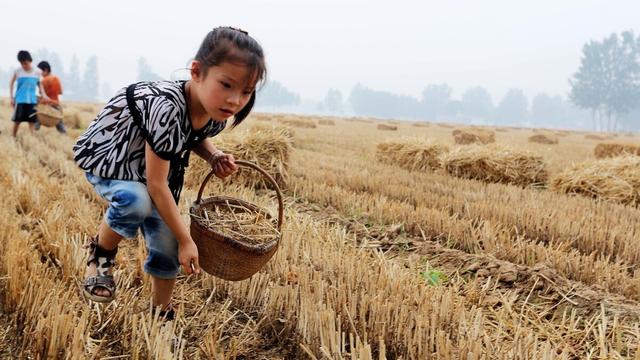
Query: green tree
[[275, 94], [512, 109], [383, 104], [435, 99], [332, 102], [54, 60], [476, 102], [145, 73], [608, 80], [90, 84], [547, 111], [71, 82]]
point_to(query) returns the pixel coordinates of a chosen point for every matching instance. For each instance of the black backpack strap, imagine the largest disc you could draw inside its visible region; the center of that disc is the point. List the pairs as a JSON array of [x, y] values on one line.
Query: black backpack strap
[[135, 113]]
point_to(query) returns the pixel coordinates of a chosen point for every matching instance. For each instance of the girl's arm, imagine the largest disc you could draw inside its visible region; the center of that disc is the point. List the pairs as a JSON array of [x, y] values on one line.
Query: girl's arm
[[11, 82], [45, 97], [222, 164], [158, 187]]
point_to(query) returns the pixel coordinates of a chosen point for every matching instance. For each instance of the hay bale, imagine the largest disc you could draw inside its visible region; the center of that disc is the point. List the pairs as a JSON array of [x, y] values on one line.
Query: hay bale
[[445, 125], [269, 148], [607, 150], [594, 137], [287, 131], [471, 136], [411, 153], [501, 129], [496, 164], [387, 127], [326, 122], [362, 120], [543, 139], [298, 122], [615, 180], [421, 124]]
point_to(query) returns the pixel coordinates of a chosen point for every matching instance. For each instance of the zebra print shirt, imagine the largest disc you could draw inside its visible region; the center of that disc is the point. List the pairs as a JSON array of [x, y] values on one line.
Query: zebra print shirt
[[113, 146]]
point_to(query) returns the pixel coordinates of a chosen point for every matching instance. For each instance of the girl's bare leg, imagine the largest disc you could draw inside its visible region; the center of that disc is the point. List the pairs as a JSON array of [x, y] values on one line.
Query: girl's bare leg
[[162, 289], [108, 240]]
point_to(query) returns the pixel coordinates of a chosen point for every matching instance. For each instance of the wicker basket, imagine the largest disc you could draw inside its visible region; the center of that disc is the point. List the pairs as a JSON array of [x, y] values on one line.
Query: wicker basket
[[48, 115], [221, 255]]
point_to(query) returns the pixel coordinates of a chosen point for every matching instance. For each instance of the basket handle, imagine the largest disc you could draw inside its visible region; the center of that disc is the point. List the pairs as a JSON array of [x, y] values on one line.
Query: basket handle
[[261, 171]]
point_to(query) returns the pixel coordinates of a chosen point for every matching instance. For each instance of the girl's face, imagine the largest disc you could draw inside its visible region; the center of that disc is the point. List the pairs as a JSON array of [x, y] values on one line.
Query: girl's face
[[224, 90]]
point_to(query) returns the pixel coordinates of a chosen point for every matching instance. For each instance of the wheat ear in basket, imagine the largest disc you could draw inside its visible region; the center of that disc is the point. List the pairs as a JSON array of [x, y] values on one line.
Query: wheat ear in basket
[[226, 256]]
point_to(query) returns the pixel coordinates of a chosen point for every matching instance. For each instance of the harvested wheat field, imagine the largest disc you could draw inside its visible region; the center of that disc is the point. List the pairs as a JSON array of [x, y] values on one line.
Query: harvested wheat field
[[377, 260]]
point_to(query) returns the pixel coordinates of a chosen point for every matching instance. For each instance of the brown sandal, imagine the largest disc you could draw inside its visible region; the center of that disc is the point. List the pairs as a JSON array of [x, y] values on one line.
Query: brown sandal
[[104, 260]]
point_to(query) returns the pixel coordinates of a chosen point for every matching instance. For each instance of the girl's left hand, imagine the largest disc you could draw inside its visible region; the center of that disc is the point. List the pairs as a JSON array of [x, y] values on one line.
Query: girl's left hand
[[223, 164]]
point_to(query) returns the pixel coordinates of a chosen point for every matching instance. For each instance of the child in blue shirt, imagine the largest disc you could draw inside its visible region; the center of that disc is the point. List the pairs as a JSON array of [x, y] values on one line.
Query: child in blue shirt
[[24, 103]]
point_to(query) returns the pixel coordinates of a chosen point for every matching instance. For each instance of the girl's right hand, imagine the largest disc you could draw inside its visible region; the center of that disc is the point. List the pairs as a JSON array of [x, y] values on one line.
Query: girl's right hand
[[188, 256], [223, 164]]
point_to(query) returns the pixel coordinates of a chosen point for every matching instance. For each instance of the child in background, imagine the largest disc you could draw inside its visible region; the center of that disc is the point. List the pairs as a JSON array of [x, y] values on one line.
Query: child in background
[[25, 100], [135, 152], [53, 88]]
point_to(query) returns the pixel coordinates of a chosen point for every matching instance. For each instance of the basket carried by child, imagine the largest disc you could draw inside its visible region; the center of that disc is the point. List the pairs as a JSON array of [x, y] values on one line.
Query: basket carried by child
[[235, 238], [48, 115]]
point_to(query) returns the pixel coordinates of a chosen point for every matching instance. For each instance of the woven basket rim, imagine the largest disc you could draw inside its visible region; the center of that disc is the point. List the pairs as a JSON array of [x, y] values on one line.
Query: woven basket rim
[[241, 245], [50, 111]]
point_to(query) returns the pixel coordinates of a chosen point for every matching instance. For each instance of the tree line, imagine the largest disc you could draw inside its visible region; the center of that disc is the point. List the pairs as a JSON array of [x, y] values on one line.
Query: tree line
[[604, 93]]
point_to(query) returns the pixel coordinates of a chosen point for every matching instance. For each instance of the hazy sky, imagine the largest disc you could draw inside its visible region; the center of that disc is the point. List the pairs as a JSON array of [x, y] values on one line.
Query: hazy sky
[[393, 45]]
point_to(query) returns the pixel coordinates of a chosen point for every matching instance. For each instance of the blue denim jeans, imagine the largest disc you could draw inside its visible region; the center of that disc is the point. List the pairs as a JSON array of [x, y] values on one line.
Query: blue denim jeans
[[130, 208]]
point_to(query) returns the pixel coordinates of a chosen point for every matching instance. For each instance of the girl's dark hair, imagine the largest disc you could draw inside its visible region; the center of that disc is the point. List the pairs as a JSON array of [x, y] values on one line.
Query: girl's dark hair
[[227, 44], [44, 66], [23, 55]]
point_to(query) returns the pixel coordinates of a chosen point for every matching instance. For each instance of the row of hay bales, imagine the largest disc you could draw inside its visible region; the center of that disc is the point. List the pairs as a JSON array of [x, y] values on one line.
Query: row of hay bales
[[491, 163], [616, 179], [294, 121], [486, 136], [473, 136], [607, 150]]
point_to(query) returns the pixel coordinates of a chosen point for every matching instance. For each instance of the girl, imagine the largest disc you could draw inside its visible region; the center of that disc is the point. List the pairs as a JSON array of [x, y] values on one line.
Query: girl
[[136, 150]]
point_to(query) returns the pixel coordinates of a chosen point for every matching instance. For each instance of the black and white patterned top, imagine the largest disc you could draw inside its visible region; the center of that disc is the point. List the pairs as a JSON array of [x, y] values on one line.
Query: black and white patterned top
[[112, 147]]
